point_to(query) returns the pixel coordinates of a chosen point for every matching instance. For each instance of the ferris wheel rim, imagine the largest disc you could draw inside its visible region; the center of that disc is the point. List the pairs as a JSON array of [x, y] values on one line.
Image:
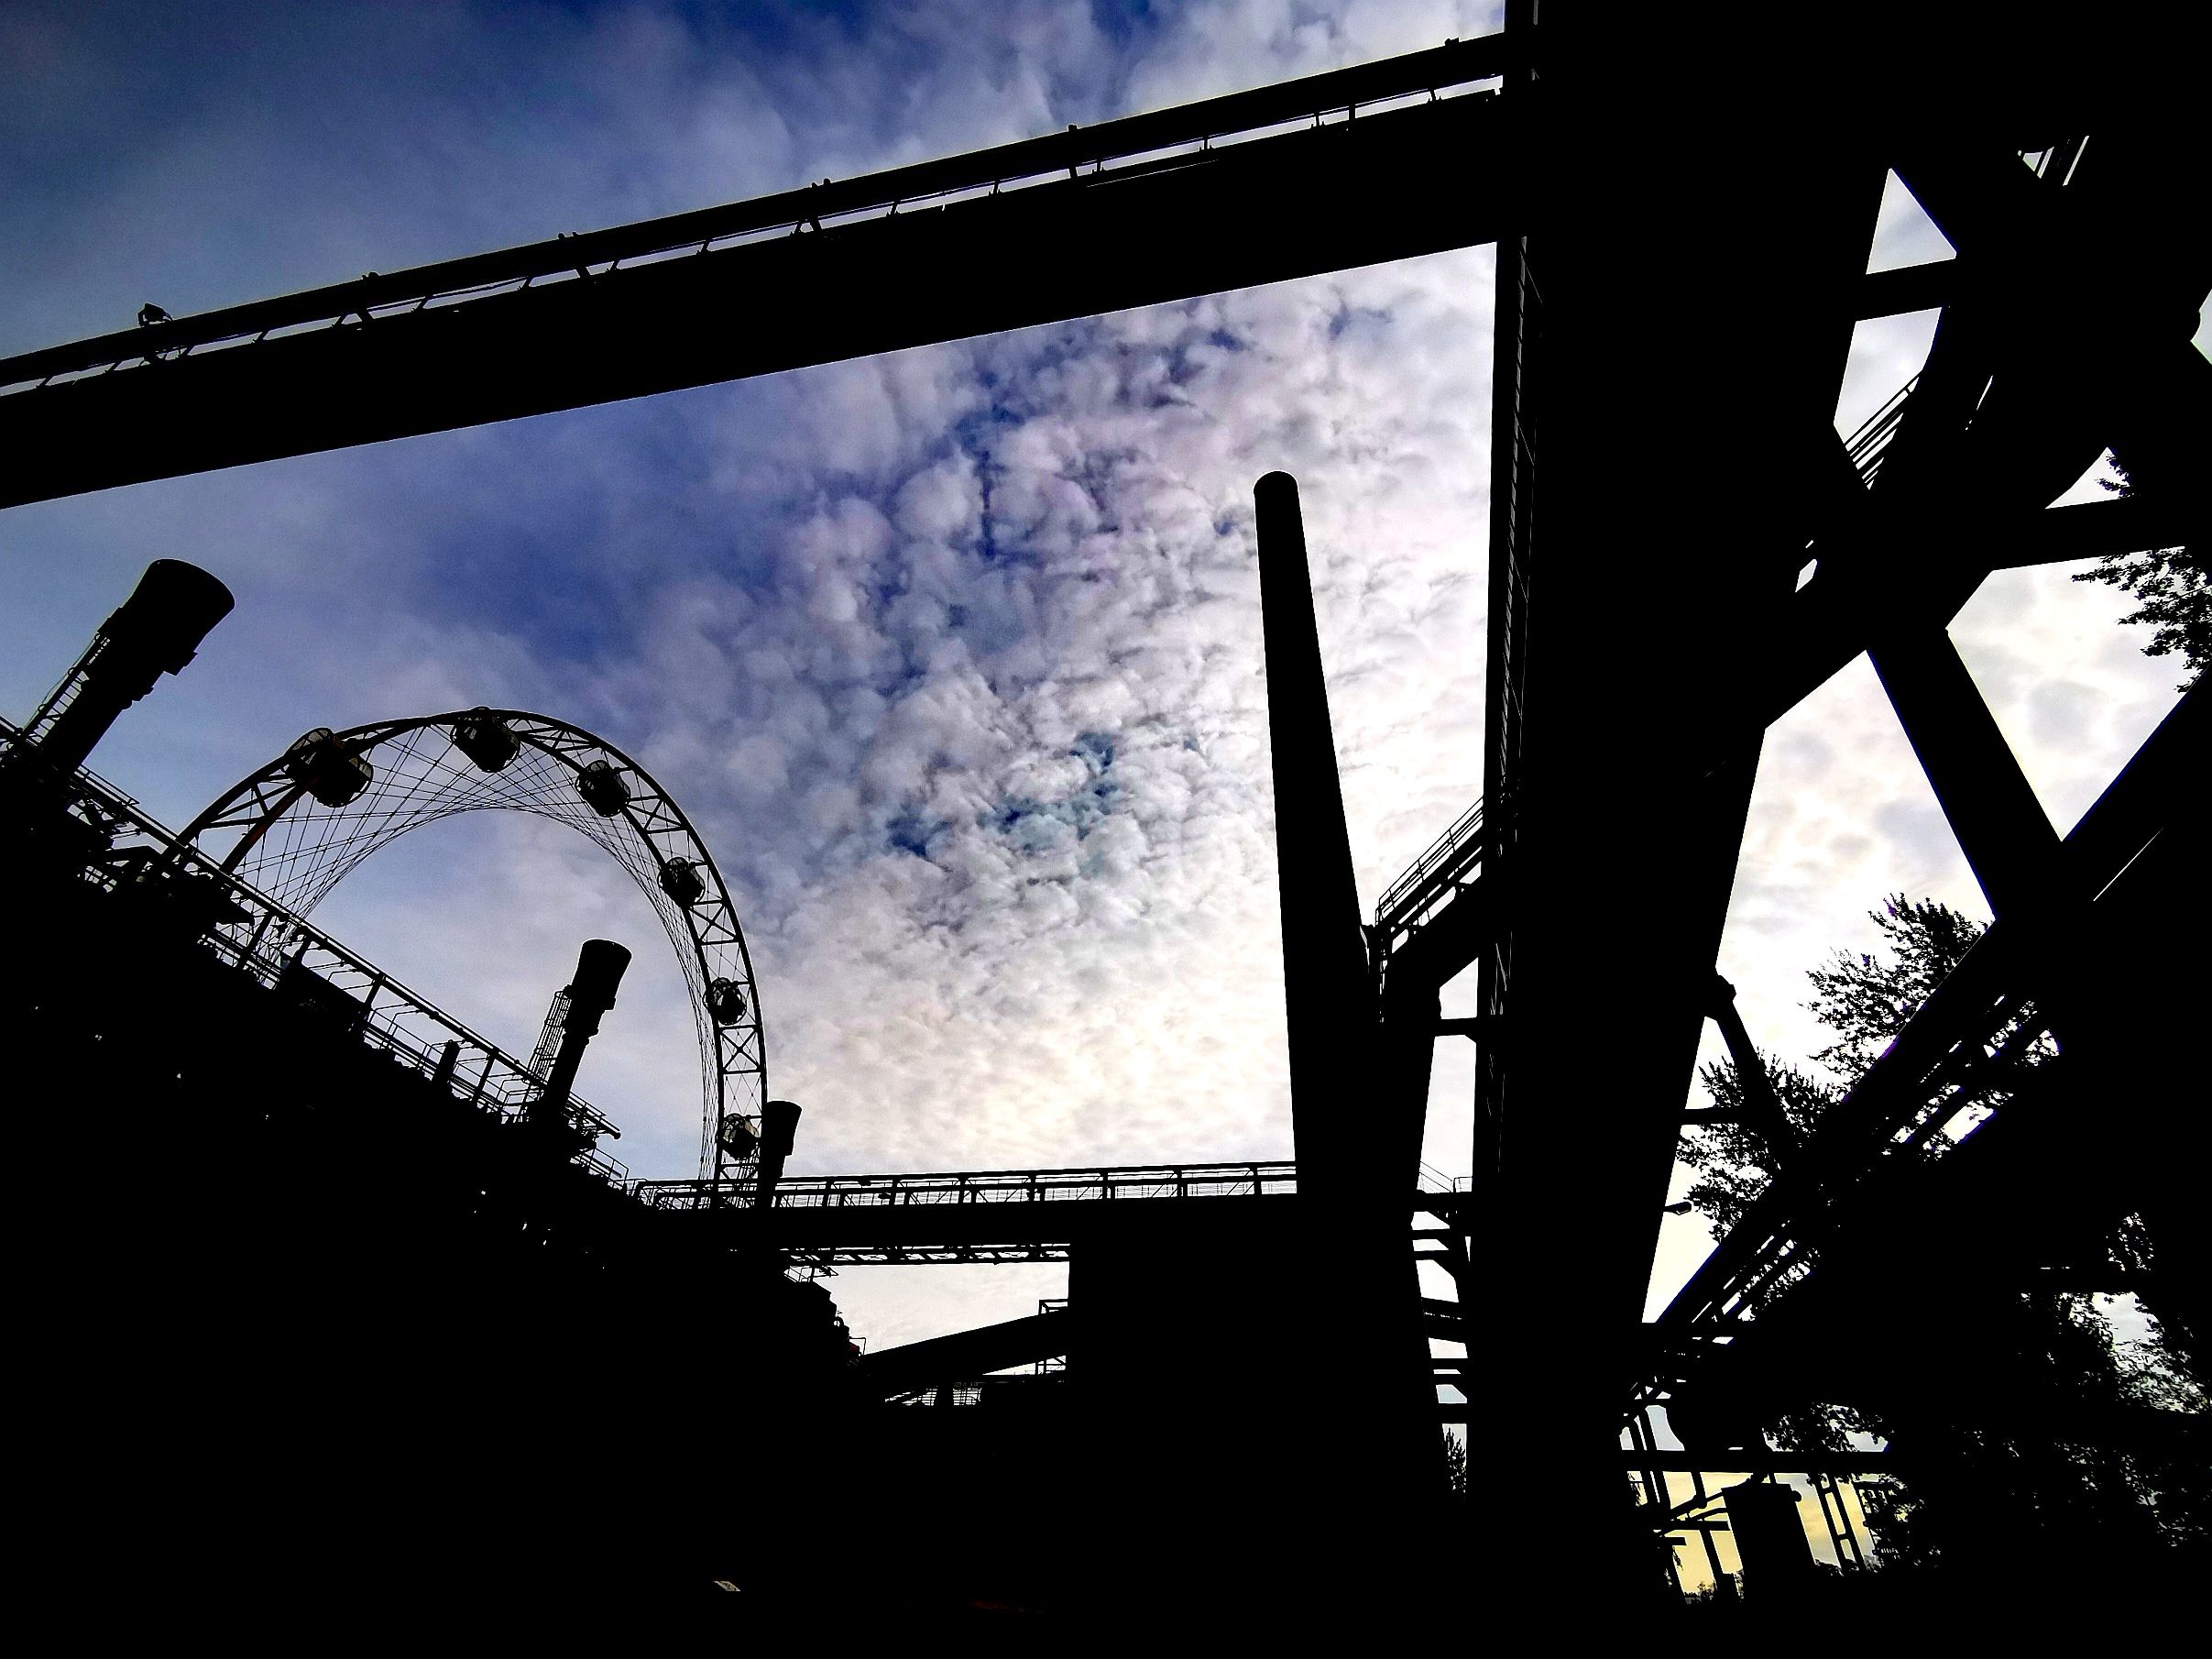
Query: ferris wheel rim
[[357, 740]]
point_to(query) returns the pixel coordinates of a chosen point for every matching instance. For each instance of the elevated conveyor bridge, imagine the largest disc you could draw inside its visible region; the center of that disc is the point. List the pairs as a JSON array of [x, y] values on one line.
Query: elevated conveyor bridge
[[1383, 161], [991, 1216]]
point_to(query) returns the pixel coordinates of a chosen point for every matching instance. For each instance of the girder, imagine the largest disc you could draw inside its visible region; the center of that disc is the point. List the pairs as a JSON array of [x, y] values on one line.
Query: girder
[[966, 1355], [2073, 998], [1927, 1066], [1003, 1215], [1209, 206]]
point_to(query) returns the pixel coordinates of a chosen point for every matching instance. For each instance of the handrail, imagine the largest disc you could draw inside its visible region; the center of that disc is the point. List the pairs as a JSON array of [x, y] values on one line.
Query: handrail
[[268, 938], [1447, 859], [995, 1186], [1867, 446]]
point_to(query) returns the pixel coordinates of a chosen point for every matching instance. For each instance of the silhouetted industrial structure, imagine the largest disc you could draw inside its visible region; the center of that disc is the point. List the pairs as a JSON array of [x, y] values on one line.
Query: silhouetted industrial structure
[[1676, 560]]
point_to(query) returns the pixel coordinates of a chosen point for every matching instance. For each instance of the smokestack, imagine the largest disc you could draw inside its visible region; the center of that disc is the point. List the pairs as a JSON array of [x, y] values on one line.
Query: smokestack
[[600, 967], [155, 631], [1325, 981], [779, 1128]]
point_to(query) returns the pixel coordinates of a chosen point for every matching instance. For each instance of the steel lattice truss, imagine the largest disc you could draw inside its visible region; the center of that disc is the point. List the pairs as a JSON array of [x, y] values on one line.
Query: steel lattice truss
[[281, 830]]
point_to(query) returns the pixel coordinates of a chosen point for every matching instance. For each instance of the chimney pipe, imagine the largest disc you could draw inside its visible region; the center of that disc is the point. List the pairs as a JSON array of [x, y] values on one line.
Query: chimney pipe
[[155, 631], [1326, 986], [779, 1127], [600, 967]]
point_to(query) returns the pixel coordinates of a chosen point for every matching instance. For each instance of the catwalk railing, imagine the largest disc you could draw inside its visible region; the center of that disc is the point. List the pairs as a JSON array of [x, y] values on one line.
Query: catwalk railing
[[1448, 864], [1432, 879], [828, 1222], [1867, 446], [246, 929], [991, 1187]]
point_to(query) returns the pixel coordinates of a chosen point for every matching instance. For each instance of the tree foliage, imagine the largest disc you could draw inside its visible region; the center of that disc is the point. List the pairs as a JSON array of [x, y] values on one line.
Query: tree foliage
[[1734, 1163], [1996, 1477], [2173, 591], [2073, 1455], [1867, 1001]]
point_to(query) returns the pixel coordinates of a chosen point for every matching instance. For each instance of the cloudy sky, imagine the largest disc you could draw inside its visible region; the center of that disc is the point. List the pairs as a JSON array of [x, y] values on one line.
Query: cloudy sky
[[952, 655]]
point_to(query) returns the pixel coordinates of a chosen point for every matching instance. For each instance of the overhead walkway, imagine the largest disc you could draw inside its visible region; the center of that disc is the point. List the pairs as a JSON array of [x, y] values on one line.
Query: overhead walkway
[[1432, 881], [1383, 161], [993, 1215], [966, 1355]]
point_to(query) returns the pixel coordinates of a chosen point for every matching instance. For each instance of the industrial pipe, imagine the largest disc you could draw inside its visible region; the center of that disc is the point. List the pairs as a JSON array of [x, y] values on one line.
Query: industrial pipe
[[155, 631], [1327, 988], [600, 967], [779, 1127]]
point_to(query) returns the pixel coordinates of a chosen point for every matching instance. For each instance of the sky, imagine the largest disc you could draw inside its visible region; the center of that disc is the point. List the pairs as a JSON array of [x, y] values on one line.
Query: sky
[[951, 654]]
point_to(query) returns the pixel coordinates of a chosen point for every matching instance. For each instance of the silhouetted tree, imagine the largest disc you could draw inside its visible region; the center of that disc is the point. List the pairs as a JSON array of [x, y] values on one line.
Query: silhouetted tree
[[1733, 1162], [1865, 1002], [2173, 591], [1868, 1001], [1987, 1481]]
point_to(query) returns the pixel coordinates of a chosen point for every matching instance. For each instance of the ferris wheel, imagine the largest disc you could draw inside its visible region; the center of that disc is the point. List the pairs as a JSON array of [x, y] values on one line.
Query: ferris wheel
[[295, 829]]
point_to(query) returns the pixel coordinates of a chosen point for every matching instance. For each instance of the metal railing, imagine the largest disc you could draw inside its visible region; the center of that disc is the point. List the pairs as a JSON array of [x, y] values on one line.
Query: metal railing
[[247, 930], [1181, 135], [1870, 443], [992, 1186], [1430, 880]]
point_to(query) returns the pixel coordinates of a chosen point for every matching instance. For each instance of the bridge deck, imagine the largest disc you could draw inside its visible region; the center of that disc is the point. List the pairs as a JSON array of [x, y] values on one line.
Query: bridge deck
[[992, 1215], [1327, 173]]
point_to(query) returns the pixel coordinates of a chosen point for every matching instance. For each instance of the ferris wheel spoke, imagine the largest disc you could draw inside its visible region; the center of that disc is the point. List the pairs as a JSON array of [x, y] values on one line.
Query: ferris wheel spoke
[[299, 825]]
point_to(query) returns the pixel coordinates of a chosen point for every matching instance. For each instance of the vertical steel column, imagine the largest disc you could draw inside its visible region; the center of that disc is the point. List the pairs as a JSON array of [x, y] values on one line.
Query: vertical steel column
[[1723, 1586], [1841, 1484], [1618, 758], [1835, 1540], [1658, 1495]]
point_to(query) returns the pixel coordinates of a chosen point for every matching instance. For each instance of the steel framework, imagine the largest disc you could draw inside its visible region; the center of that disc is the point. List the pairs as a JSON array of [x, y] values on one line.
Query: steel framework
[[1642, 691], [1212, 195], [168, 879], [973, 1215], [2064, 333], [274, 831]]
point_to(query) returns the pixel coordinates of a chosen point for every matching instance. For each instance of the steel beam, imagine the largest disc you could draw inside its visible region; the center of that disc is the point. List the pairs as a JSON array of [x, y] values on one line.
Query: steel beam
[[966, 1355], [1991, 807], [2149, 809], [1624, 593], [1417, 179], [950, 1228]]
